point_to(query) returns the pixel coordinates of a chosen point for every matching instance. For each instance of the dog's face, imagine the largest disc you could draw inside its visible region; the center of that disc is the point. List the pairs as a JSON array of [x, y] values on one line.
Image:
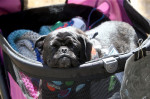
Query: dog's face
[[64, 48]]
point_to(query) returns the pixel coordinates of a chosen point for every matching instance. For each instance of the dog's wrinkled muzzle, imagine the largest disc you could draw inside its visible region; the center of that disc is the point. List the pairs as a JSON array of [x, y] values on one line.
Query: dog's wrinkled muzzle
[[64, 62], [64, 57]]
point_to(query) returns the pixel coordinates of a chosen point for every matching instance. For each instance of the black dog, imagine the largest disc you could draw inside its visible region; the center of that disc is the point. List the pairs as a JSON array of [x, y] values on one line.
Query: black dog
[[64, 48]]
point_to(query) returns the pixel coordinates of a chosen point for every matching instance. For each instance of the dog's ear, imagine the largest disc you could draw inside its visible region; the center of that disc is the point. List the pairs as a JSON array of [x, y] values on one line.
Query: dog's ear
[[86, 47], [39, 43]]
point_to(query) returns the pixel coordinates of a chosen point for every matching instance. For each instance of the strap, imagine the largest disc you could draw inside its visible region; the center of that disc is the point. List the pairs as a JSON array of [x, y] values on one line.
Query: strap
[[66, 2], [88, 23], [96, 3]]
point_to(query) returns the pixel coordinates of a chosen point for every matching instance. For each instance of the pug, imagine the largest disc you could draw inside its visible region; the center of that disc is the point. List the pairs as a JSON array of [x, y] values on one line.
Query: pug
[[64, 48], [120, 35]]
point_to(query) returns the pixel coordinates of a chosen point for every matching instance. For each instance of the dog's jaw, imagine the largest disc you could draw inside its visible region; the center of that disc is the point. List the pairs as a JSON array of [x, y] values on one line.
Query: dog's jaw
[[64, 62]]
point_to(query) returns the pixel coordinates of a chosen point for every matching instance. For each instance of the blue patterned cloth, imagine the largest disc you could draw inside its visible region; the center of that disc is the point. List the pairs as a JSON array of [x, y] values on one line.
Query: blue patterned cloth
[[23, 42]]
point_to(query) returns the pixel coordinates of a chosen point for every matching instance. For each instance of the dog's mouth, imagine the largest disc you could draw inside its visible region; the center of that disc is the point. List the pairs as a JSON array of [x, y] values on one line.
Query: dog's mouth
[[64, 61], [64, 55]]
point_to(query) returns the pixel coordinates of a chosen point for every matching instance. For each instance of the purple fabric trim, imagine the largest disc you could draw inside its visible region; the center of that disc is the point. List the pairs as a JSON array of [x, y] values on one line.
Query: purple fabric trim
[[83, 2], [1, 53], [9, 6], [96, 4], [115, 12], [125, 17], [15, 90], [1, 56]]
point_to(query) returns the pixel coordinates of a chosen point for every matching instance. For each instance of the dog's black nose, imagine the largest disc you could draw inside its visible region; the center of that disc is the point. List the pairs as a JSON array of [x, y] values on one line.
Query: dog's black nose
[[63, 49]]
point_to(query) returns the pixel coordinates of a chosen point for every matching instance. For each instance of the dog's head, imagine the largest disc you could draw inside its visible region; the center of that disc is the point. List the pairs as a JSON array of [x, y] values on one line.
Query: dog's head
[[63, 48]]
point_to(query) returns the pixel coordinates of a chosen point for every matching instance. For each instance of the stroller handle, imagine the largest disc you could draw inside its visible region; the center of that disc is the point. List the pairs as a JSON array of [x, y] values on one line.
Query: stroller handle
[[89, 70]]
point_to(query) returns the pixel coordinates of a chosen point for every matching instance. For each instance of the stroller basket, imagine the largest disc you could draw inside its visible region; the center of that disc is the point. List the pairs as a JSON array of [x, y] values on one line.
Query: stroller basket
[[96, 79]]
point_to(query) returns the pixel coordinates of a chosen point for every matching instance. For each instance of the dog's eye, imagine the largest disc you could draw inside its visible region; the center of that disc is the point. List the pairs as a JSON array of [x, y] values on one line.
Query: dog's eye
[[70, 44], [55, 45], [72, 47]]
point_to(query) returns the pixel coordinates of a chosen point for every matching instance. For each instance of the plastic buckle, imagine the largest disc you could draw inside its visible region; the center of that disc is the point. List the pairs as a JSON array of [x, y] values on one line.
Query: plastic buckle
[[110, 64]]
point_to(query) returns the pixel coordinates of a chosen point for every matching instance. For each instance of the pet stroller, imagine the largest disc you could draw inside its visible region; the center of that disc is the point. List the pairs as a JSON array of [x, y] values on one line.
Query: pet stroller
[[21, 77]]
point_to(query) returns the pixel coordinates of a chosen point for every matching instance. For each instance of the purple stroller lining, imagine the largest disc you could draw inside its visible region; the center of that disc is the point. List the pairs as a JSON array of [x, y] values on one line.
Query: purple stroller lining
[[15, 90], [111, 8], [9, 6], [1, 53], [1, 56]]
